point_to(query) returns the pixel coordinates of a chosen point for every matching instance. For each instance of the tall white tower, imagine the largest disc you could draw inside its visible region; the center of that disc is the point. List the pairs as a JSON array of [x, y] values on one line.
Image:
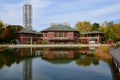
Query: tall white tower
[[27, 16]]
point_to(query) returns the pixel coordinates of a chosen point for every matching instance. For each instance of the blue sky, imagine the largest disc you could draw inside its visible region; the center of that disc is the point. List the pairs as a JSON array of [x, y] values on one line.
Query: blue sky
[[60, 11]]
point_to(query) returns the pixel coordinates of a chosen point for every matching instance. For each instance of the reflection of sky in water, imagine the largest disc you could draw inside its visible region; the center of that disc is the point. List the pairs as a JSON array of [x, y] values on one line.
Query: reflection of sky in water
[[14, 72], [43, 70], [71, 71], [46, 70]]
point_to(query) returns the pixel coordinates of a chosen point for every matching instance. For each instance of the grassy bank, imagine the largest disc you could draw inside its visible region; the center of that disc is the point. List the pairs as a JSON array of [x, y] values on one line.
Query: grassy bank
[[103, 52]]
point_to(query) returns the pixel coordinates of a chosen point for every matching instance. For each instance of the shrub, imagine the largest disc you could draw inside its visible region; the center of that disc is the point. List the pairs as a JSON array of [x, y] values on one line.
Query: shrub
[[45, 42]]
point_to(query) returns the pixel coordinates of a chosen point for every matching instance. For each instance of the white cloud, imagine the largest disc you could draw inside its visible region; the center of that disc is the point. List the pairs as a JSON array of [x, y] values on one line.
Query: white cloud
[[47, 11], [12, 13]]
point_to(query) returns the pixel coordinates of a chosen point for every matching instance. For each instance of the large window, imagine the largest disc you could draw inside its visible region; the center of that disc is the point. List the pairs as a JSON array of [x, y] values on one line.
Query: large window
[[56, 34], [61, 34], [65, 34], [45, 34]]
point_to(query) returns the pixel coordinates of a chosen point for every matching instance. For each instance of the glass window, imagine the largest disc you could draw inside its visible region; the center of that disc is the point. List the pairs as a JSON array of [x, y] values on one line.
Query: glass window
[[55, 34], [61, 34], [45, 34], [65, 34]]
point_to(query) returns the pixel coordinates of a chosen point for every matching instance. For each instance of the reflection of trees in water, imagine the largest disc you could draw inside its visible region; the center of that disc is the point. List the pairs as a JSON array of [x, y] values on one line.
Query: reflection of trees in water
[[54, 55], [10, 56], [64, 55], [87, 57], [1, 63], [86, 60], [7, 57]]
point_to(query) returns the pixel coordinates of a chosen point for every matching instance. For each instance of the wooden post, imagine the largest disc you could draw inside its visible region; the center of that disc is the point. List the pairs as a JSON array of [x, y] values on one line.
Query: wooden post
[[31, 40]]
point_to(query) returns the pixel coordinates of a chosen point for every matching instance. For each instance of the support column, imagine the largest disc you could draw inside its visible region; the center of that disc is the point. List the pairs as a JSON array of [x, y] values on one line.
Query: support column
[[31, 40]]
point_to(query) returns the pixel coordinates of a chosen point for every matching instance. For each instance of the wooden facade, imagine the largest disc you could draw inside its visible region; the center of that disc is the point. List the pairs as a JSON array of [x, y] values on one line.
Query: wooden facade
[[29, 37], [60, 34], [91, 37]]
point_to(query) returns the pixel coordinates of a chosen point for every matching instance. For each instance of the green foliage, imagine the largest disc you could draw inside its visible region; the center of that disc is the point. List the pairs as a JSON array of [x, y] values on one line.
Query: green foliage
[[8, 34], [45, 42], [104, 48], [1, 27], [116, 30], [84, 26], [109, 34], [95, 26], [112, 31], [1, 24], [110, 24]]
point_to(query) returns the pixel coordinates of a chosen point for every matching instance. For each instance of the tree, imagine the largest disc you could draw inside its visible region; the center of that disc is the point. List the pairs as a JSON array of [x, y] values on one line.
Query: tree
[[102, 29], [110, 24], [8, 34], [109, 34], [11, 30], [1, 31], [116, 30], [1, 24], [95, 26], [1, 27], [84, 26]]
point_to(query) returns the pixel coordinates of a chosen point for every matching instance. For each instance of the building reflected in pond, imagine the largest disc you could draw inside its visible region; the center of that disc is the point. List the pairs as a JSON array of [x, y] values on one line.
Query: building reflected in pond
[[27, 69], [57, 56], [62, 55], [78, 57]]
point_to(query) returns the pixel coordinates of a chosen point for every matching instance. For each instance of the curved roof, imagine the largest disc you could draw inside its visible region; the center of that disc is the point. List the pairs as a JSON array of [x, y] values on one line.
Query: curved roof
[[59, 28], [93, 32], [28, 32]]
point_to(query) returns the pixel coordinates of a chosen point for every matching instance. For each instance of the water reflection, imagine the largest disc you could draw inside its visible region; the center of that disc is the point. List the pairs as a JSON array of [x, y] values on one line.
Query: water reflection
[[27, 69], [58, 56], [9, 56], [86, 61], [59, 61]]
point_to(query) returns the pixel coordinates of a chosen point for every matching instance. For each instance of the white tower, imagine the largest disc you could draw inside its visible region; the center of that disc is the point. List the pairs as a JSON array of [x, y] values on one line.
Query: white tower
[[27, 16]]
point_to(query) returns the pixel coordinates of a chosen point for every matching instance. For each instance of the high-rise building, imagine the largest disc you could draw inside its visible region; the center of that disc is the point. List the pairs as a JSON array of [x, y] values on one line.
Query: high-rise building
[[105, 24], [27, 16]]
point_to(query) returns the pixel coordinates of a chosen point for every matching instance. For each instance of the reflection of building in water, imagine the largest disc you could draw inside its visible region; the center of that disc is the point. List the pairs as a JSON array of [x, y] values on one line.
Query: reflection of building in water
[[27, 69], [87, 50], [58, 54], [25, 52]]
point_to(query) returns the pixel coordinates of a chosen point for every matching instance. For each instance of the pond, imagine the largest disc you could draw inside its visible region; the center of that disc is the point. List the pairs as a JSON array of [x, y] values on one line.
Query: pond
[[54, 64]]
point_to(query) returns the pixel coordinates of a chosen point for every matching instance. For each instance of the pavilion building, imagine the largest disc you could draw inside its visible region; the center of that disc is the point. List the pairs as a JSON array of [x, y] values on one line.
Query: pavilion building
[[60, 33]]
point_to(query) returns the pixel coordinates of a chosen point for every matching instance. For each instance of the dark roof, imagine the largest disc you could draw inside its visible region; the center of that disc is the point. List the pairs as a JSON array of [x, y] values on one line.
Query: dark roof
[[59, 61], [59, 28], [93, 32], [28, 32]]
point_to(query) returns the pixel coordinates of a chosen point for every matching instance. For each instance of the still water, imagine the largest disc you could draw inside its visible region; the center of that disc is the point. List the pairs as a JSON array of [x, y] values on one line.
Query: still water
[[53, 64]]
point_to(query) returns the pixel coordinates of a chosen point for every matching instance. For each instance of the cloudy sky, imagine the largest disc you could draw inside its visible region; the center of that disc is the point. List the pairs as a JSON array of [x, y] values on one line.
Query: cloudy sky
[[59, 11]]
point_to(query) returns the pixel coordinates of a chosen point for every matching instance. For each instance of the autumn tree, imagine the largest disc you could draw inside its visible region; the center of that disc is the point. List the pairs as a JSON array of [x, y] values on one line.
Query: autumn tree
[[116, 30], [1, 24], [9, 33], [1, 31], [1, 27], [84, 26], [109, 34]]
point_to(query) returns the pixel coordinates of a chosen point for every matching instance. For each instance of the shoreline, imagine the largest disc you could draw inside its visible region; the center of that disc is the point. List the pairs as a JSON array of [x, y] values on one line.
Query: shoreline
[[52, 45]]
